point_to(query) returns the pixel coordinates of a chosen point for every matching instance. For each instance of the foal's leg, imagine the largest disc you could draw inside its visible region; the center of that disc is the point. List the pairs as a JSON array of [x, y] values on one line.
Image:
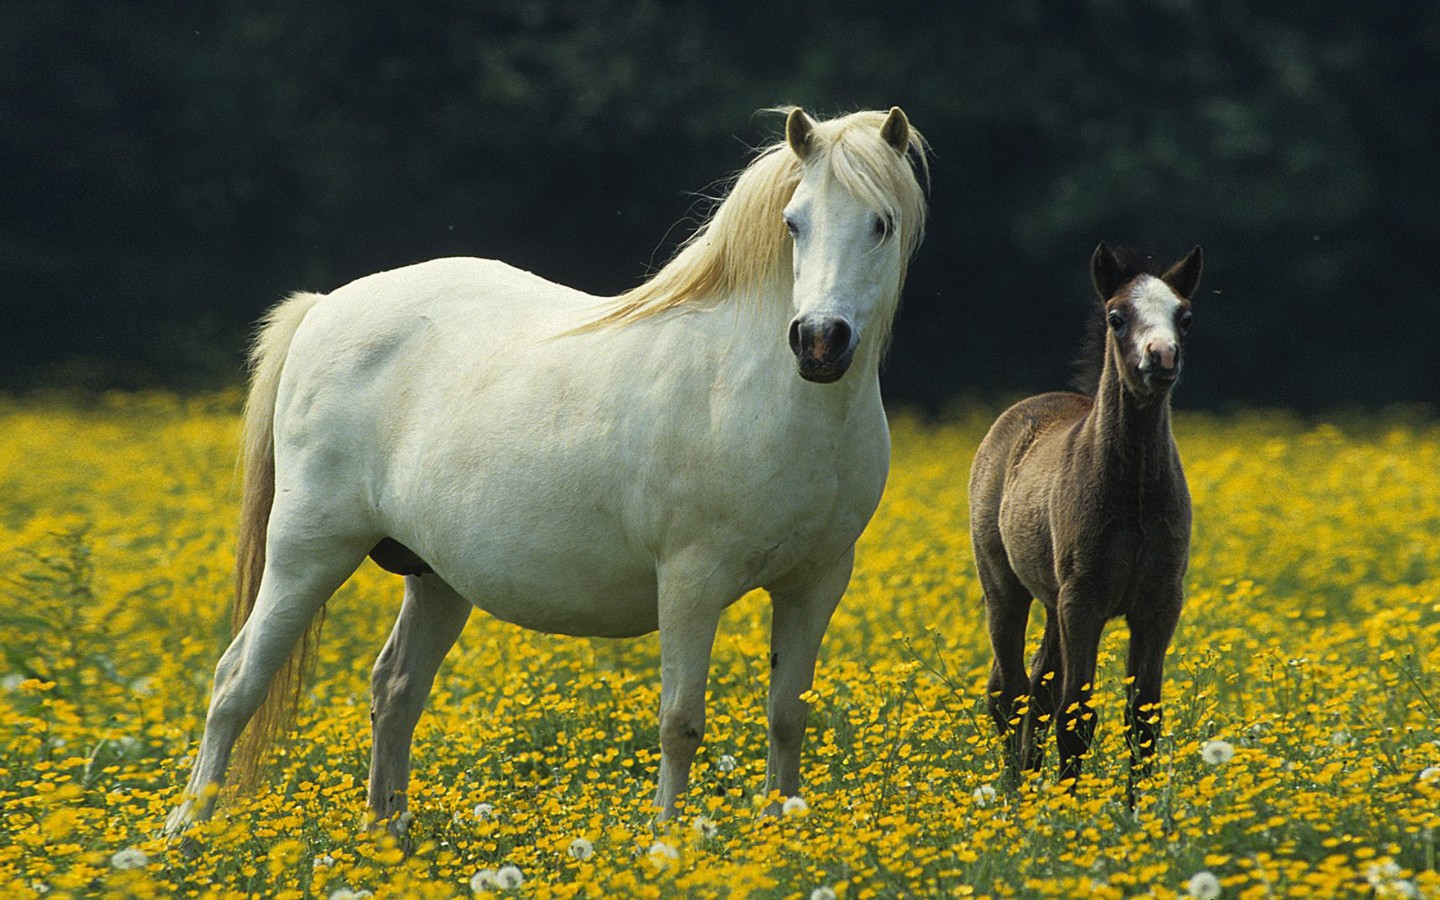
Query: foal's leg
[[798, 622], [300, 575], [690, 607], [1080, 629], [1150, 634], [1007, 612], [1045, 686], [431, 619]]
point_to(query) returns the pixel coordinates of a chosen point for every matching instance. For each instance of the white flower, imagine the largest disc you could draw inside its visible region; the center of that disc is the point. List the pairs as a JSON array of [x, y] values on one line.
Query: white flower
[[1217, 753], [509, 878], [484, 880], [663, 854], [1203, 885], [822, 893], [324, 861], [705, 827], [1429, 774], [130, 858], [794, 806], [581, 849], [1340, 738], [984, 794], [726, 763], [484, 812], [1381, 872], [11, 683], [345, 893]]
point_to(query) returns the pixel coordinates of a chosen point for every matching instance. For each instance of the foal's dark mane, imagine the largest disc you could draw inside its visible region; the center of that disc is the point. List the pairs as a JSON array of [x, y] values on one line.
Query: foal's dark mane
[[1091, 360]]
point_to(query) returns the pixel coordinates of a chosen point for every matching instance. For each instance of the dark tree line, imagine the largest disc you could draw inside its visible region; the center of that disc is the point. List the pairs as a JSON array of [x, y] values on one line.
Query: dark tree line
[[168, 170]]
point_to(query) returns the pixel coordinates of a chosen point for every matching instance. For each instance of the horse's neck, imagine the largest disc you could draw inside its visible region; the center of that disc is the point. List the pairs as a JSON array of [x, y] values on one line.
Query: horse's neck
[[1130, 440]]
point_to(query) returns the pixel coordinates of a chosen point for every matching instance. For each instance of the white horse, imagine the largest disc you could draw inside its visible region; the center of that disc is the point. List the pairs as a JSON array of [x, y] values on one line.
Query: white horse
[[581, 465]]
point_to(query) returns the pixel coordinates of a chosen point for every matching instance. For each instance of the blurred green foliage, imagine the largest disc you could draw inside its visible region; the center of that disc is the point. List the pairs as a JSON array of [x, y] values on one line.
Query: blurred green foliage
[[171, 169]]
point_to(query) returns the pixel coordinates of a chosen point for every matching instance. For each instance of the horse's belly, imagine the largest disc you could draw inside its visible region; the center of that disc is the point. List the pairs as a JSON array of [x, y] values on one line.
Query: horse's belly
[[555, 596]]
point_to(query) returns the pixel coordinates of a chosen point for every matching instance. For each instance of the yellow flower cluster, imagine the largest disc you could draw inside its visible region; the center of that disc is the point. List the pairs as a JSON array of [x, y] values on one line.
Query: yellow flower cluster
[[1301, 754]]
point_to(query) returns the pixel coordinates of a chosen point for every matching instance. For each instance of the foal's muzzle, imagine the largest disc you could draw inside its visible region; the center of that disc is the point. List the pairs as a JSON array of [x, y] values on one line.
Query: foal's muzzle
[[823, 346]]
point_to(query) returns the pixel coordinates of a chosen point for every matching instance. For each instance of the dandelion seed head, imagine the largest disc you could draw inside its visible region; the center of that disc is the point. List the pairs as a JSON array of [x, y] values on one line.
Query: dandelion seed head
[[129, 858], [1217, 753], [581, 849], [1203, 885], [824, 892], [484, 812], [509, 877], [794, 806], [726, 763], [705, 827]]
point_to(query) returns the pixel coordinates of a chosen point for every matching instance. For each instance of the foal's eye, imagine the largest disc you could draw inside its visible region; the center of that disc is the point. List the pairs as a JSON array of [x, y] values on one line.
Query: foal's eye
[[882, 227], [1117, 322], [1185, 318]]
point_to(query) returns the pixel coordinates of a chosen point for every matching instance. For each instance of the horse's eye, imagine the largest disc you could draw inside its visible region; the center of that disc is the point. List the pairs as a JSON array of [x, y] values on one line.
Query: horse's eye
[[1185, 318], [791, 226], [1117, 322], [882, 227]]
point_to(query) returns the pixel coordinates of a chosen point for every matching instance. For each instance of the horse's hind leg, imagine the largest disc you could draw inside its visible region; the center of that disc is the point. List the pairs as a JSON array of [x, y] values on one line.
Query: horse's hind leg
[[431, 619], [1045, 671], [1007, 612], [300, 575]]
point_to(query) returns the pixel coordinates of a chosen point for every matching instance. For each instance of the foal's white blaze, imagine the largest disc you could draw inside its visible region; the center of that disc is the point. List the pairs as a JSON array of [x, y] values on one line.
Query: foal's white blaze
[[1155, 304]]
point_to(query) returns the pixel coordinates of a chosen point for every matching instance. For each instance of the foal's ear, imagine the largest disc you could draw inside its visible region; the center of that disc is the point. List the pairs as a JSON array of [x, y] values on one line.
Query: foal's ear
[[896, 130], [1105, 272], [799, 130], [1184, 276]]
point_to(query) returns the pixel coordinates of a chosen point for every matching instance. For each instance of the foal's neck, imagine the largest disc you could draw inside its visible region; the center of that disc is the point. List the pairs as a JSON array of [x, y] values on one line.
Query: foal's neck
[[1131, 437]]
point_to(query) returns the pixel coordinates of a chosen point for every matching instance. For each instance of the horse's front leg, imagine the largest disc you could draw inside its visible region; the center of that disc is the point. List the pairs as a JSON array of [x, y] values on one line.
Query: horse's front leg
[[431, 619], [690, 607], [800, 614], [1150, 634], [1081, 624]]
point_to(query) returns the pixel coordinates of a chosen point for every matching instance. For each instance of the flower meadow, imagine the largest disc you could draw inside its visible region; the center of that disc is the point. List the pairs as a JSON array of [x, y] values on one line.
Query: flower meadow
[[1302, 736]]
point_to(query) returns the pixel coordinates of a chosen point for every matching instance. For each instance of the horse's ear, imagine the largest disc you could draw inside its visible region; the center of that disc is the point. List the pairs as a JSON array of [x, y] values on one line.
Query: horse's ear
[[896, 130], [799, 129], [1105, 272], [1184, 276]]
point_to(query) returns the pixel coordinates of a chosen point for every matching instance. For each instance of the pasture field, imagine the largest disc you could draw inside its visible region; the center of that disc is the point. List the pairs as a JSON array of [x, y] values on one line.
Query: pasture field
[[1302, 750]]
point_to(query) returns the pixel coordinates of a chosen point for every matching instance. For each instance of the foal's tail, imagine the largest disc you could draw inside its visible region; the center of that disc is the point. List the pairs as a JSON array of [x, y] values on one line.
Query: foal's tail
[[257, 463]]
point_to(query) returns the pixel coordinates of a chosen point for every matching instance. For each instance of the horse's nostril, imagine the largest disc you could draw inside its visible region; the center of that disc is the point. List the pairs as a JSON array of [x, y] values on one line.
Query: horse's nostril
[[795, 337], [840, 335]]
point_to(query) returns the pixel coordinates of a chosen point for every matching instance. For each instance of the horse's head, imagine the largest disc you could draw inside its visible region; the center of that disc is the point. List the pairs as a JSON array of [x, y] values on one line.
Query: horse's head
[[854, 219], [1146, 319]]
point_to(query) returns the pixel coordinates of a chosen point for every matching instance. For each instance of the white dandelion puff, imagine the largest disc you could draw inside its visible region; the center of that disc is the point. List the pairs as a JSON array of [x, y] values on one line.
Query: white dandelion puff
[[1429, 774], [581, 849], [11, 683], [484, 812], [794, 806], [1203, 885], [1340, 738], [1217, 753], [663, 854], [509, 877], [726, 763], [345, 893], [705, 827], [984, 794], [484, 880], [130, 858], [823, 892], [324, 861]]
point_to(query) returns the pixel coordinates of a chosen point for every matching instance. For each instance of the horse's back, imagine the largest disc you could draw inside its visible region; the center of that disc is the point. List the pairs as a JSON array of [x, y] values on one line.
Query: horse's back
[[1006, 479]]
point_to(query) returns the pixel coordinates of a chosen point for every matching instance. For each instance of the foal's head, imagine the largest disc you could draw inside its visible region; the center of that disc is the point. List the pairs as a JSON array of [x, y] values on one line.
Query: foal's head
[[1146, 317]]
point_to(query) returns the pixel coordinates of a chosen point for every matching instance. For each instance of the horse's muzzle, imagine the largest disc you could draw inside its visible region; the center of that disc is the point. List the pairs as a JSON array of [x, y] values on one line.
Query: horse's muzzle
[[824, 347]]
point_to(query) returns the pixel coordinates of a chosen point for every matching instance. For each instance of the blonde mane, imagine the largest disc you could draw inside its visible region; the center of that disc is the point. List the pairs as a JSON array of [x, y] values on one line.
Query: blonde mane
[[744, 247]]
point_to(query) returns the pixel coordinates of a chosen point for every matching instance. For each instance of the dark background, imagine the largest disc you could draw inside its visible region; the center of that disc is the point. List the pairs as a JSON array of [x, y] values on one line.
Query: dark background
[[169, 170]]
